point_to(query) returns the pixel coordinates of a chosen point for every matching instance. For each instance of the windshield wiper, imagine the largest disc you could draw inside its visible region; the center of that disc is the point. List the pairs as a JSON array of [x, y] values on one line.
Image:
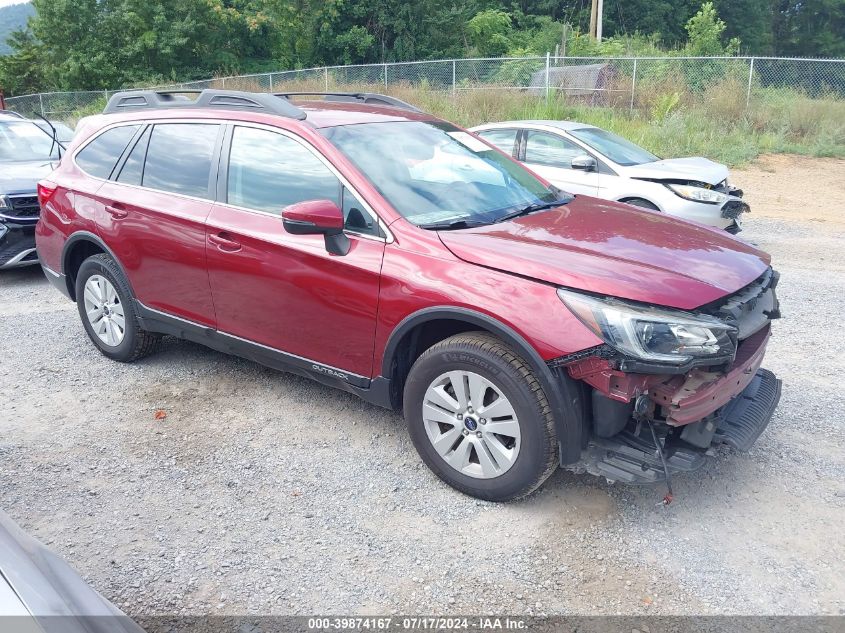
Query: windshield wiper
[[448, 226], [532, 208]]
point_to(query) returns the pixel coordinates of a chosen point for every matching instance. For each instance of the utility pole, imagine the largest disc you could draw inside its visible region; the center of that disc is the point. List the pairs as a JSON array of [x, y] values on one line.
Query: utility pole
[[596, 14]]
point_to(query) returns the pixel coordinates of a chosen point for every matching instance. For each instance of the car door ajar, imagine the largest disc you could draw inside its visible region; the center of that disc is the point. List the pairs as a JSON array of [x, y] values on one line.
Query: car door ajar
[[155, 210], [286, 291], [550, 155]]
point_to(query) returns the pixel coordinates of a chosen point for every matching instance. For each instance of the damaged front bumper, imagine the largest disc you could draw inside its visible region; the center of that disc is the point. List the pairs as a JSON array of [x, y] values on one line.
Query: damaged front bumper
[[631, 456], [692, 413]]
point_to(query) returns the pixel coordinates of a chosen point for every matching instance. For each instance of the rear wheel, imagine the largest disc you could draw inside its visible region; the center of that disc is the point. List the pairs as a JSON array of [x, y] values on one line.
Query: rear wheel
[[479, 418], [108, 312]]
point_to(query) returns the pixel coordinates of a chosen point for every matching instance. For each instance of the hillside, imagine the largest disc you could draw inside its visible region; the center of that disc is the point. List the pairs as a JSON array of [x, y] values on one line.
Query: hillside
[[13, 18]]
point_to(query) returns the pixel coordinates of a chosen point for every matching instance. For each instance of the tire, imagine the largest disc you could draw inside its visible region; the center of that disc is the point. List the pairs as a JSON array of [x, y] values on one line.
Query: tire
[[107, 279], [643, 204], [522, 458]]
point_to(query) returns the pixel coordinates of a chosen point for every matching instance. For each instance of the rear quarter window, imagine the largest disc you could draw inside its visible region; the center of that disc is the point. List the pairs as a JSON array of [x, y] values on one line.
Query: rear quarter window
[[100, 155]]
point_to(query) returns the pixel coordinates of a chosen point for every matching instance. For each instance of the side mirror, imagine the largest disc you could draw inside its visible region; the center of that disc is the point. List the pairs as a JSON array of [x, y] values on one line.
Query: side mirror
[[584, 163], [317, 217]]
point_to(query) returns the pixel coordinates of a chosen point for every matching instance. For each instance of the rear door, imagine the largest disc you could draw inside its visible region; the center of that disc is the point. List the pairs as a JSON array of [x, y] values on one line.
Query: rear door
[[154, 212], [286, 291], [550, 155]]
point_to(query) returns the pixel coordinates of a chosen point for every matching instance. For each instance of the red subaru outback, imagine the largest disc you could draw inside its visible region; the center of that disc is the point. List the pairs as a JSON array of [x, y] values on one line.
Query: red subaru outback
[[378, 249]]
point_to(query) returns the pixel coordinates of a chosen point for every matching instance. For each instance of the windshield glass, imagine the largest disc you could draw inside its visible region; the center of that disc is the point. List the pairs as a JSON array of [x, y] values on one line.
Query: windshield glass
[[435, 174], [24, 141], [616, 148]]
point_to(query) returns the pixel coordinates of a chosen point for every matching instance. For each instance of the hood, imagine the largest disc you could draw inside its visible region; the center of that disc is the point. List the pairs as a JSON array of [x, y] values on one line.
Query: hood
[[23, 176], [701, 169], [612, 249]]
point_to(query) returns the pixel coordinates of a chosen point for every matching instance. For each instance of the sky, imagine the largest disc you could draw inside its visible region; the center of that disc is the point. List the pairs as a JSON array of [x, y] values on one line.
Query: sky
[[6, 3]]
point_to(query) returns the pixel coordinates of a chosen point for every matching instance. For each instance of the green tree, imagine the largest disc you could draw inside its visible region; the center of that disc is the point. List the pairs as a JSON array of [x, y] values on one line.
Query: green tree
[[705, 34], [488, 31]]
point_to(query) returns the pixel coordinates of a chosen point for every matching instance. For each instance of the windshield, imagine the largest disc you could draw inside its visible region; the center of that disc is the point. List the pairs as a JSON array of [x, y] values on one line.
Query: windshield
[[616, 148], [20, 141], [435, 174]]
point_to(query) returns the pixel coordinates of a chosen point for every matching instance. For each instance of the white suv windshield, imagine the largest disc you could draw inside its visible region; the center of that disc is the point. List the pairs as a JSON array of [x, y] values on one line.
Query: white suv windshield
[[24, 141], [435, 174], [616, 148]]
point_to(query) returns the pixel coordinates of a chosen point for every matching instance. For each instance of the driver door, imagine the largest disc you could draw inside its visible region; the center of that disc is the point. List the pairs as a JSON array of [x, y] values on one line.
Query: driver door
[[550, 155], [285, 291]]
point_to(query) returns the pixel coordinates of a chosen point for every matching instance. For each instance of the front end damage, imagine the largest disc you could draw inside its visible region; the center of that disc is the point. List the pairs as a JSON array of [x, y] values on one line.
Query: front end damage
[[643, 425]]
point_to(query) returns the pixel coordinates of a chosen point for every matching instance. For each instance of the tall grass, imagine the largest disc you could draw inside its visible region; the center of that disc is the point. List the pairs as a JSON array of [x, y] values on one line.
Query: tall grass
[[669, 118]]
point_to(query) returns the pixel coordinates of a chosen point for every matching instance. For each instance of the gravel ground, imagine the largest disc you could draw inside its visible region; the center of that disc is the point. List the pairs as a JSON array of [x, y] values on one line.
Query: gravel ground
[[261, 492]]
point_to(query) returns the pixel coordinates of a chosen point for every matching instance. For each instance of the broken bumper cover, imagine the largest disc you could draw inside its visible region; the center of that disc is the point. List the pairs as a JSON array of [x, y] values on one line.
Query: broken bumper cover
[[690, 398], [634, 458]]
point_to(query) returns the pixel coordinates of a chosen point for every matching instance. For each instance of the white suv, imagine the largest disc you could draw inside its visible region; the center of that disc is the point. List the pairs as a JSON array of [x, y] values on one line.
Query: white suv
[[584, 159]]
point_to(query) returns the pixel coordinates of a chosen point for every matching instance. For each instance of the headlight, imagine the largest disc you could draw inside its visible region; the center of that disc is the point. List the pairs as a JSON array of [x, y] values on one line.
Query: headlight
[[4, 203], [698, 194], [651, 334]]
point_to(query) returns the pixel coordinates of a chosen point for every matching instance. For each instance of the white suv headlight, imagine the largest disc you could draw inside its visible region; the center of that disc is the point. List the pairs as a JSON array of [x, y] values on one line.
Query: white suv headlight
[[698, 194], [4, 203], [652, 334]]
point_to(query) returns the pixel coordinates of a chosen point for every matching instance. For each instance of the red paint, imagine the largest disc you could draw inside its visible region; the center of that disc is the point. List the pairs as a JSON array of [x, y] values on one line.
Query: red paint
[[240, 272], [322, 214]]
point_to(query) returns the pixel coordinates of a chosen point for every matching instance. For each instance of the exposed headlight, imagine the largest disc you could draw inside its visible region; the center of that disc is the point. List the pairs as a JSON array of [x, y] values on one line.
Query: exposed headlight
[[651, 334], [4, 203], [698, 194]]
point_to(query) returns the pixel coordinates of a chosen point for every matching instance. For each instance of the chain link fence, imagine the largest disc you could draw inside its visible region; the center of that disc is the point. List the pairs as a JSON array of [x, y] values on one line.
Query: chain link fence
[[652, 84]]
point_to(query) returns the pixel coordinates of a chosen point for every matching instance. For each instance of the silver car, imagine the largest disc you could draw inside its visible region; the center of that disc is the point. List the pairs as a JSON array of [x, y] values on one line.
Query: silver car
[[40, 593], [584, 159]]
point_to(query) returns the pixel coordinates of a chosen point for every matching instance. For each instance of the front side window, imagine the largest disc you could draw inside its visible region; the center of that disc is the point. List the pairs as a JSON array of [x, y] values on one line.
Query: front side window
[[433, 173], [179, 158], [99, 156], [269, 171], [542, 148], [621, 151]]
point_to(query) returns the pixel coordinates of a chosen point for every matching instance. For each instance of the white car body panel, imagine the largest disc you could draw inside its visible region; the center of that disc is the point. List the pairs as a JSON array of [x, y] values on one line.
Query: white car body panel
[[621, 182]]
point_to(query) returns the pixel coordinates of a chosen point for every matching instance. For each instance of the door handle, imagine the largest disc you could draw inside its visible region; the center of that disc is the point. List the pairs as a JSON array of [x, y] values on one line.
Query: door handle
[[224, 242], [116, 211]]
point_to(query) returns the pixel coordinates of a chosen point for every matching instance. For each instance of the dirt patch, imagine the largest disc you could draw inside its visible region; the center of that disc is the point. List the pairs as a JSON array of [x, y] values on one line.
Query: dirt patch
[[792, 187]]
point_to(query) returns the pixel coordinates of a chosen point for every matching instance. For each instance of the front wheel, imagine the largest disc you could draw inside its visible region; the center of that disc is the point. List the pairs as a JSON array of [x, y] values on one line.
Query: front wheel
[[643, 204], [479, 418]]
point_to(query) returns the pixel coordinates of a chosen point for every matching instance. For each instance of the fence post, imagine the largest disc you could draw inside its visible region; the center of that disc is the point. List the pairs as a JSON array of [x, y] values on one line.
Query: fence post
[[223, 82], [326, 77], [454, 76], [41, 102], [385, 75], [548, 60], [270, 76], [633, 84], [750, 78]]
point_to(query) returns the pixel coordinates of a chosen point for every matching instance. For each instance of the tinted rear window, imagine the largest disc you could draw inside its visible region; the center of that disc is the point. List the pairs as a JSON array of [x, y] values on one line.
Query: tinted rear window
[[100, 155], [179, 158]]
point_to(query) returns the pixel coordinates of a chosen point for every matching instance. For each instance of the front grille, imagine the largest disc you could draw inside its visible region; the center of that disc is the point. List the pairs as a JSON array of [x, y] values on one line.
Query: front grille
[[23, 207], [752, 308]]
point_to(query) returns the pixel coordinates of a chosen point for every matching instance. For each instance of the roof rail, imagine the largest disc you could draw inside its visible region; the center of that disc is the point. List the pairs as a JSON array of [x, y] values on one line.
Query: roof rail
[[209, 98], [351, 97]]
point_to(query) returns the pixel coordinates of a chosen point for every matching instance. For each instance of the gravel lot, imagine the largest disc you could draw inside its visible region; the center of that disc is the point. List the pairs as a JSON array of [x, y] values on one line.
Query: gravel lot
[[262, 492]]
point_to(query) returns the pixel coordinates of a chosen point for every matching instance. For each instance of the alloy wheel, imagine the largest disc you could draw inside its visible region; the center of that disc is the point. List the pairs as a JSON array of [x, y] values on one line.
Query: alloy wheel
[[104, 310], [471, 424]]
